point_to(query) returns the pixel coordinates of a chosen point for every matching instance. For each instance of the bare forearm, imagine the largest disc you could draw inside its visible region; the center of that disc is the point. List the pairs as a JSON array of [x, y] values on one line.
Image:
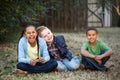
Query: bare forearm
[[86, 53], [108, 53]]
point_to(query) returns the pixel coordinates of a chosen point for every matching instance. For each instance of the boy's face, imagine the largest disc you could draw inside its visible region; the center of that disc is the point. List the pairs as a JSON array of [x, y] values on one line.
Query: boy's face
[[31, 34], [92, 36], [47, 35]]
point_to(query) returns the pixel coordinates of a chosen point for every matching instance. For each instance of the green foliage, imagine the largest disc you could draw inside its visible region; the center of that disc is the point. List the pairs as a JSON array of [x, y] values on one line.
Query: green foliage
[[56, 14], [15, 14]]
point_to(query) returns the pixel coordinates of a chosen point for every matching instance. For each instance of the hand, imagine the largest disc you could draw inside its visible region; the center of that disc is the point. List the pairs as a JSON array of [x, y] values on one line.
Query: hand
[[42, 60], [99, 61], [33, 62], [99, 57]]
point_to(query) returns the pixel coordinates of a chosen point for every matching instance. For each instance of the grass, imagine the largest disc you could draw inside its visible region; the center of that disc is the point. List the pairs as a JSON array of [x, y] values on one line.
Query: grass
[[8, 59]]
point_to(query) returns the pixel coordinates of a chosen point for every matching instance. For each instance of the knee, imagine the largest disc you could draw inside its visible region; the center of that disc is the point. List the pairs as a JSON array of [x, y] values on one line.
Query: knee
[[75, 64], [53, 62], [20, 65], [61, 67]]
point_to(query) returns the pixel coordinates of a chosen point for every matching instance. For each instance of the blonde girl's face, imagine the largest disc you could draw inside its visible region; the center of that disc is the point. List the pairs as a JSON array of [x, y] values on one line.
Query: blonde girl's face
[[31, 34], [92, 36], [47, 35]]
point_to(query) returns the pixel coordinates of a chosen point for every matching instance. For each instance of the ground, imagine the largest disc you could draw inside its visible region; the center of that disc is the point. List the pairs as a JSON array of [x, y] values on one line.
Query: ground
[[111, 36]]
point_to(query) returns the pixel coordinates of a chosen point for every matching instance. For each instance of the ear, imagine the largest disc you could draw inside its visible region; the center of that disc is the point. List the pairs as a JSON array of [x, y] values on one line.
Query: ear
[[97, 35]]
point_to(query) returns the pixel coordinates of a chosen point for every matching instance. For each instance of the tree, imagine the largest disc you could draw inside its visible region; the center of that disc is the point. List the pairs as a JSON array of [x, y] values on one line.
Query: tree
[[15, 14], [117, 6], [58, 15]]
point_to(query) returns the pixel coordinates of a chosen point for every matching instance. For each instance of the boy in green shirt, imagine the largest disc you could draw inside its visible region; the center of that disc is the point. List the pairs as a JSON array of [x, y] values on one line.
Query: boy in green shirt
[[94, 53]]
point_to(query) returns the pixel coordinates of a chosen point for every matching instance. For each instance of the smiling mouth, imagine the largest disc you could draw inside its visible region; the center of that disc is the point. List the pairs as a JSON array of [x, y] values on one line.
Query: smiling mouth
[[49, 39], [91, 40], [32, 38]]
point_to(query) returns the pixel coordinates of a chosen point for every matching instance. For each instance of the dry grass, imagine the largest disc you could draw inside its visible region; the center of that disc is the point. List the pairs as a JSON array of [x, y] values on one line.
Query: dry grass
[[8, 56]]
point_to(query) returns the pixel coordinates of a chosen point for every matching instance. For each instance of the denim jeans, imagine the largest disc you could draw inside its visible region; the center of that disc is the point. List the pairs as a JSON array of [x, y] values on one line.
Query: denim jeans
[[65, 64], [39, 67], [90, 63]]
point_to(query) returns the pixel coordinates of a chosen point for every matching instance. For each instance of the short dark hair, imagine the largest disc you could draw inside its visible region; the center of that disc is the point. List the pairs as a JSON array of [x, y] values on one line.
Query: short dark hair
[[91, 28]]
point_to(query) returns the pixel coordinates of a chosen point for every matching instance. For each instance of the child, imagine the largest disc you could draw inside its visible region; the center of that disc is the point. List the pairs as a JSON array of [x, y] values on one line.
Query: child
[[94, 52], [33, 55], [58, 50]]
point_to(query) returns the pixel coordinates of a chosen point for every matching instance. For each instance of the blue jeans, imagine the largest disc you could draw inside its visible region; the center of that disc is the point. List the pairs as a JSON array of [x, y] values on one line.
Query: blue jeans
[[90, 63], [39, 67], [65, 64]]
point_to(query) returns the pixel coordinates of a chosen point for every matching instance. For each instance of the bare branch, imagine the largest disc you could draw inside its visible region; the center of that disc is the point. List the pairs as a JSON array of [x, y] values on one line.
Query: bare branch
[[117, 9]]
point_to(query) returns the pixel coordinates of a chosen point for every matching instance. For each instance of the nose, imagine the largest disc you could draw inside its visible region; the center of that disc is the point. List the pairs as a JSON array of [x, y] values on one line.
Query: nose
[[47, 37], [90, 37], [31, 34]]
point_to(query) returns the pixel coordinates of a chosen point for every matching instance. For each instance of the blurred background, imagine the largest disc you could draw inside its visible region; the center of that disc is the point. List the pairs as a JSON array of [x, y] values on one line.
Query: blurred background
[[67, 17], [58, 15]]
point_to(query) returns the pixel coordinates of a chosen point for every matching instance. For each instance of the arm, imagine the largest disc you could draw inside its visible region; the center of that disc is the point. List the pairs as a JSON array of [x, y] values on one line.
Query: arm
[[22, 51], [43, 51], [62, 46], [104, 47], [106, 54], [86, 53]]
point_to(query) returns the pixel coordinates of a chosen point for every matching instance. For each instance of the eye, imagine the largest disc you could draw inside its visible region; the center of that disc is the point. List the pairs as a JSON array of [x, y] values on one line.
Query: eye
[[33, 32], [93, 35], [45, 36], [89, 35], [48, 32], [28, 33]]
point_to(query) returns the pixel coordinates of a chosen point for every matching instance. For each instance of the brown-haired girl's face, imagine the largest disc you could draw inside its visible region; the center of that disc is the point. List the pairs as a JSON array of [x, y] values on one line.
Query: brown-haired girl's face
[[47, 35], [31, 34]]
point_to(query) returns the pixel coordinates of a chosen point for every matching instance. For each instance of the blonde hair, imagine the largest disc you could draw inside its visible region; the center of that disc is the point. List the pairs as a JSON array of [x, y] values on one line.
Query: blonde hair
[[40, 29]]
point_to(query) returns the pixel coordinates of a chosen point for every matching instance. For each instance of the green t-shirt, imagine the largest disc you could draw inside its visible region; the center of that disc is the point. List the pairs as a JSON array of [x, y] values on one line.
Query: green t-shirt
[[97, 49]]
